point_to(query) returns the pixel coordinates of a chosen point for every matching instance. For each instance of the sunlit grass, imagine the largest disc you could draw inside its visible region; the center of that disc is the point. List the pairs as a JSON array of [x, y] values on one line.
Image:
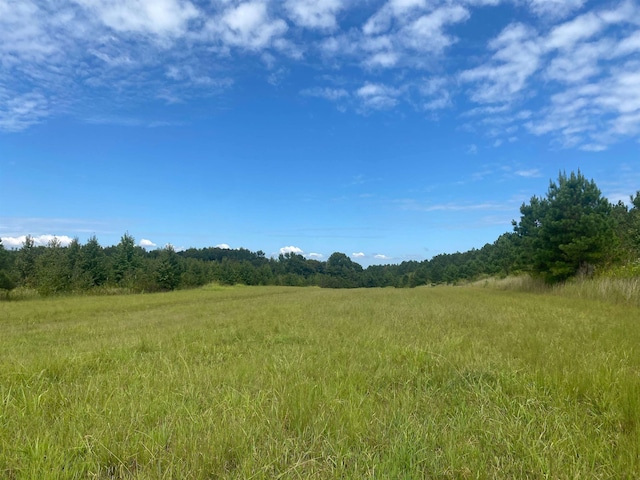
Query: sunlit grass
[[609, 288], [267, 382]]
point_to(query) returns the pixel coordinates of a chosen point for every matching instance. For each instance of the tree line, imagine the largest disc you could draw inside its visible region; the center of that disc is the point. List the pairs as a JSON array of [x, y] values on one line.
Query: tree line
[[573, 230]]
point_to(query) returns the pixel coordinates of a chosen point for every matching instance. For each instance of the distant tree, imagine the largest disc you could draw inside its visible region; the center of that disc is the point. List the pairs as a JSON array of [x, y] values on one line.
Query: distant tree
[[296, 264], [126, 261], [195, 273], [7, 282], [168, 271], [53, 272], [74, 261], [26, 262], [505, 255], [634, 225], [569, 230], [93, 262], [628, 228], [342, 271]]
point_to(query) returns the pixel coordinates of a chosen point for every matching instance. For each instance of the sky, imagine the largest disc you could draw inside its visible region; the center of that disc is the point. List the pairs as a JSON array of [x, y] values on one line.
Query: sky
[[387, 130]]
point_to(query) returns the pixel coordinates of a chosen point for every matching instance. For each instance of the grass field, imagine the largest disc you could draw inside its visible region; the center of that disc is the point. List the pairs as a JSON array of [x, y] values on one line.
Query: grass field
[[268, 382]]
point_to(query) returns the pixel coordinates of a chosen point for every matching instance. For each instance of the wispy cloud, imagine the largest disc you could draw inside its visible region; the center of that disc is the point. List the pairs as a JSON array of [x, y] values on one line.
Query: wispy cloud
[[315, 14], [516, 57], [377, 96], [248, 25], [161, 18], [555, 8], [586, 62], [328, 93], [570, 65], [22, 111], [20, 226], [531, 173], [410, 204]]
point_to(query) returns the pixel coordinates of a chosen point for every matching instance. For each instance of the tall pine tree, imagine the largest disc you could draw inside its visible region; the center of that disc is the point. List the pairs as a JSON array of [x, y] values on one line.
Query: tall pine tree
[[570, 230]]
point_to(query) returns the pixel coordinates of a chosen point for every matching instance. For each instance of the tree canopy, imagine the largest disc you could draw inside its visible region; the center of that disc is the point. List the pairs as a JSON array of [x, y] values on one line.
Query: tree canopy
[[569, 230]]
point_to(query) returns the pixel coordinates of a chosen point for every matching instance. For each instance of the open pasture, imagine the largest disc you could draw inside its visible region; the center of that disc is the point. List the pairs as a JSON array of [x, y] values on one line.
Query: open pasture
[[270, 382]]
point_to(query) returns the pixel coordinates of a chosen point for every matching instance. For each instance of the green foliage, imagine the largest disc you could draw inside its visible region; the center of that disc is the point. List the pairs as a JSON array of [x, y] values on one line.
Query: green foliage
[[568, 230], [26, 262], [126, 261], [53, 270], [168, 271], [342, 272], [94, 263], [7, 283], [628, 228]]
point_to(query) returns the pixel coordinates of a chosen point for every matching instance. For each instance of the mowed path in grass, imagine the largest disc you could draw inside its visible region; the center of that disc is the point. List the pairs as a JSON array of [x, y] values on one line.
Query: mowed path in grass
[[269, 382]]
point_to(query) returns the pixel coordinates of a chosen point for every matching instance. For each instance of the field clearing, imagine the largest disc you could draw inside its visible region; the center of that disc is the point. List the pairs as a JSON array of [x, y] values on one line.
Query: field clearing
[[281, 382]]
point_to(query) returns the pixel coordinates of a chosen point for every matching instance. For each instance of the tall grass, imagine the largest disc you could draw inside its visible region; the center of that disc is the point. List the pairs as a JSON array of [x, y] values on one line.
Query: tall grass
[[269, 382], [606, 287]]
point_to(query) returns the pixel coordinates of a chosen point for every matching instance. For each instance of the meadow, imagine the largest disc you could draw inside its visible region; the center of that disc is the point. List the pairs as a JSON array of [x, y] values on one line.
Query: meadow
[[284, 382]]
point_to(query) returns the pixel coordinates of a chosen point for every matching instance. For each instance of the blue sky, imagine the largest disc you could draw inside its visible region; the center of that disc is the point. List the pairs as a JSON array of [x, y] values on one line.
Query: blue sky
[[387, 130]]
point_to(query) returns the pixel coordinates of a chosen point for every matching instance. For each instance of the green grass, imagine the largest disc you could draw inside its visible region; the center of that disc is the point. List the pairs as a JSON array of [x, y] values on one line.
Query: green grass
[[269, 382], [608, 287]]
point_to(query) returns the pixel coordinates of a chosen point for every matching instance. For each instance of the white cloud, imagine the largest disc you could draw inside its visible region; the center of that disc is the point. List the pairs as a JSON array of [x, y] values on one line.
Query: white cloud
[[594, 101], [144, 243], [595, 115], [593, 147], [21, 111], [386, 59], [315, 256], [380, 256], [13, 242], [291, 249], [319, 14], [531, 173], [436, 93], [157, 17], [248, 26], [516, 58], [426, 34], [555, 8], [573, 70], [405, 32], [401, 7], [38, 240], [579, 64], [223, 246], [187, 73], [568, 34], [358, 255], [326, 92], [451, 207], [378, 96], [629, 45], [23, 32]]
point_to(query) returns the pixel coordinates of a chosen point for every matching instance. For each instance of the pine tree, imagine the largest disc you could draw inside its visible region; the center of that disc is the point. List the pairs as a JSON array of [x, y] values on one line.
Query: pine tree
[[7, 283], [570, 230]]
